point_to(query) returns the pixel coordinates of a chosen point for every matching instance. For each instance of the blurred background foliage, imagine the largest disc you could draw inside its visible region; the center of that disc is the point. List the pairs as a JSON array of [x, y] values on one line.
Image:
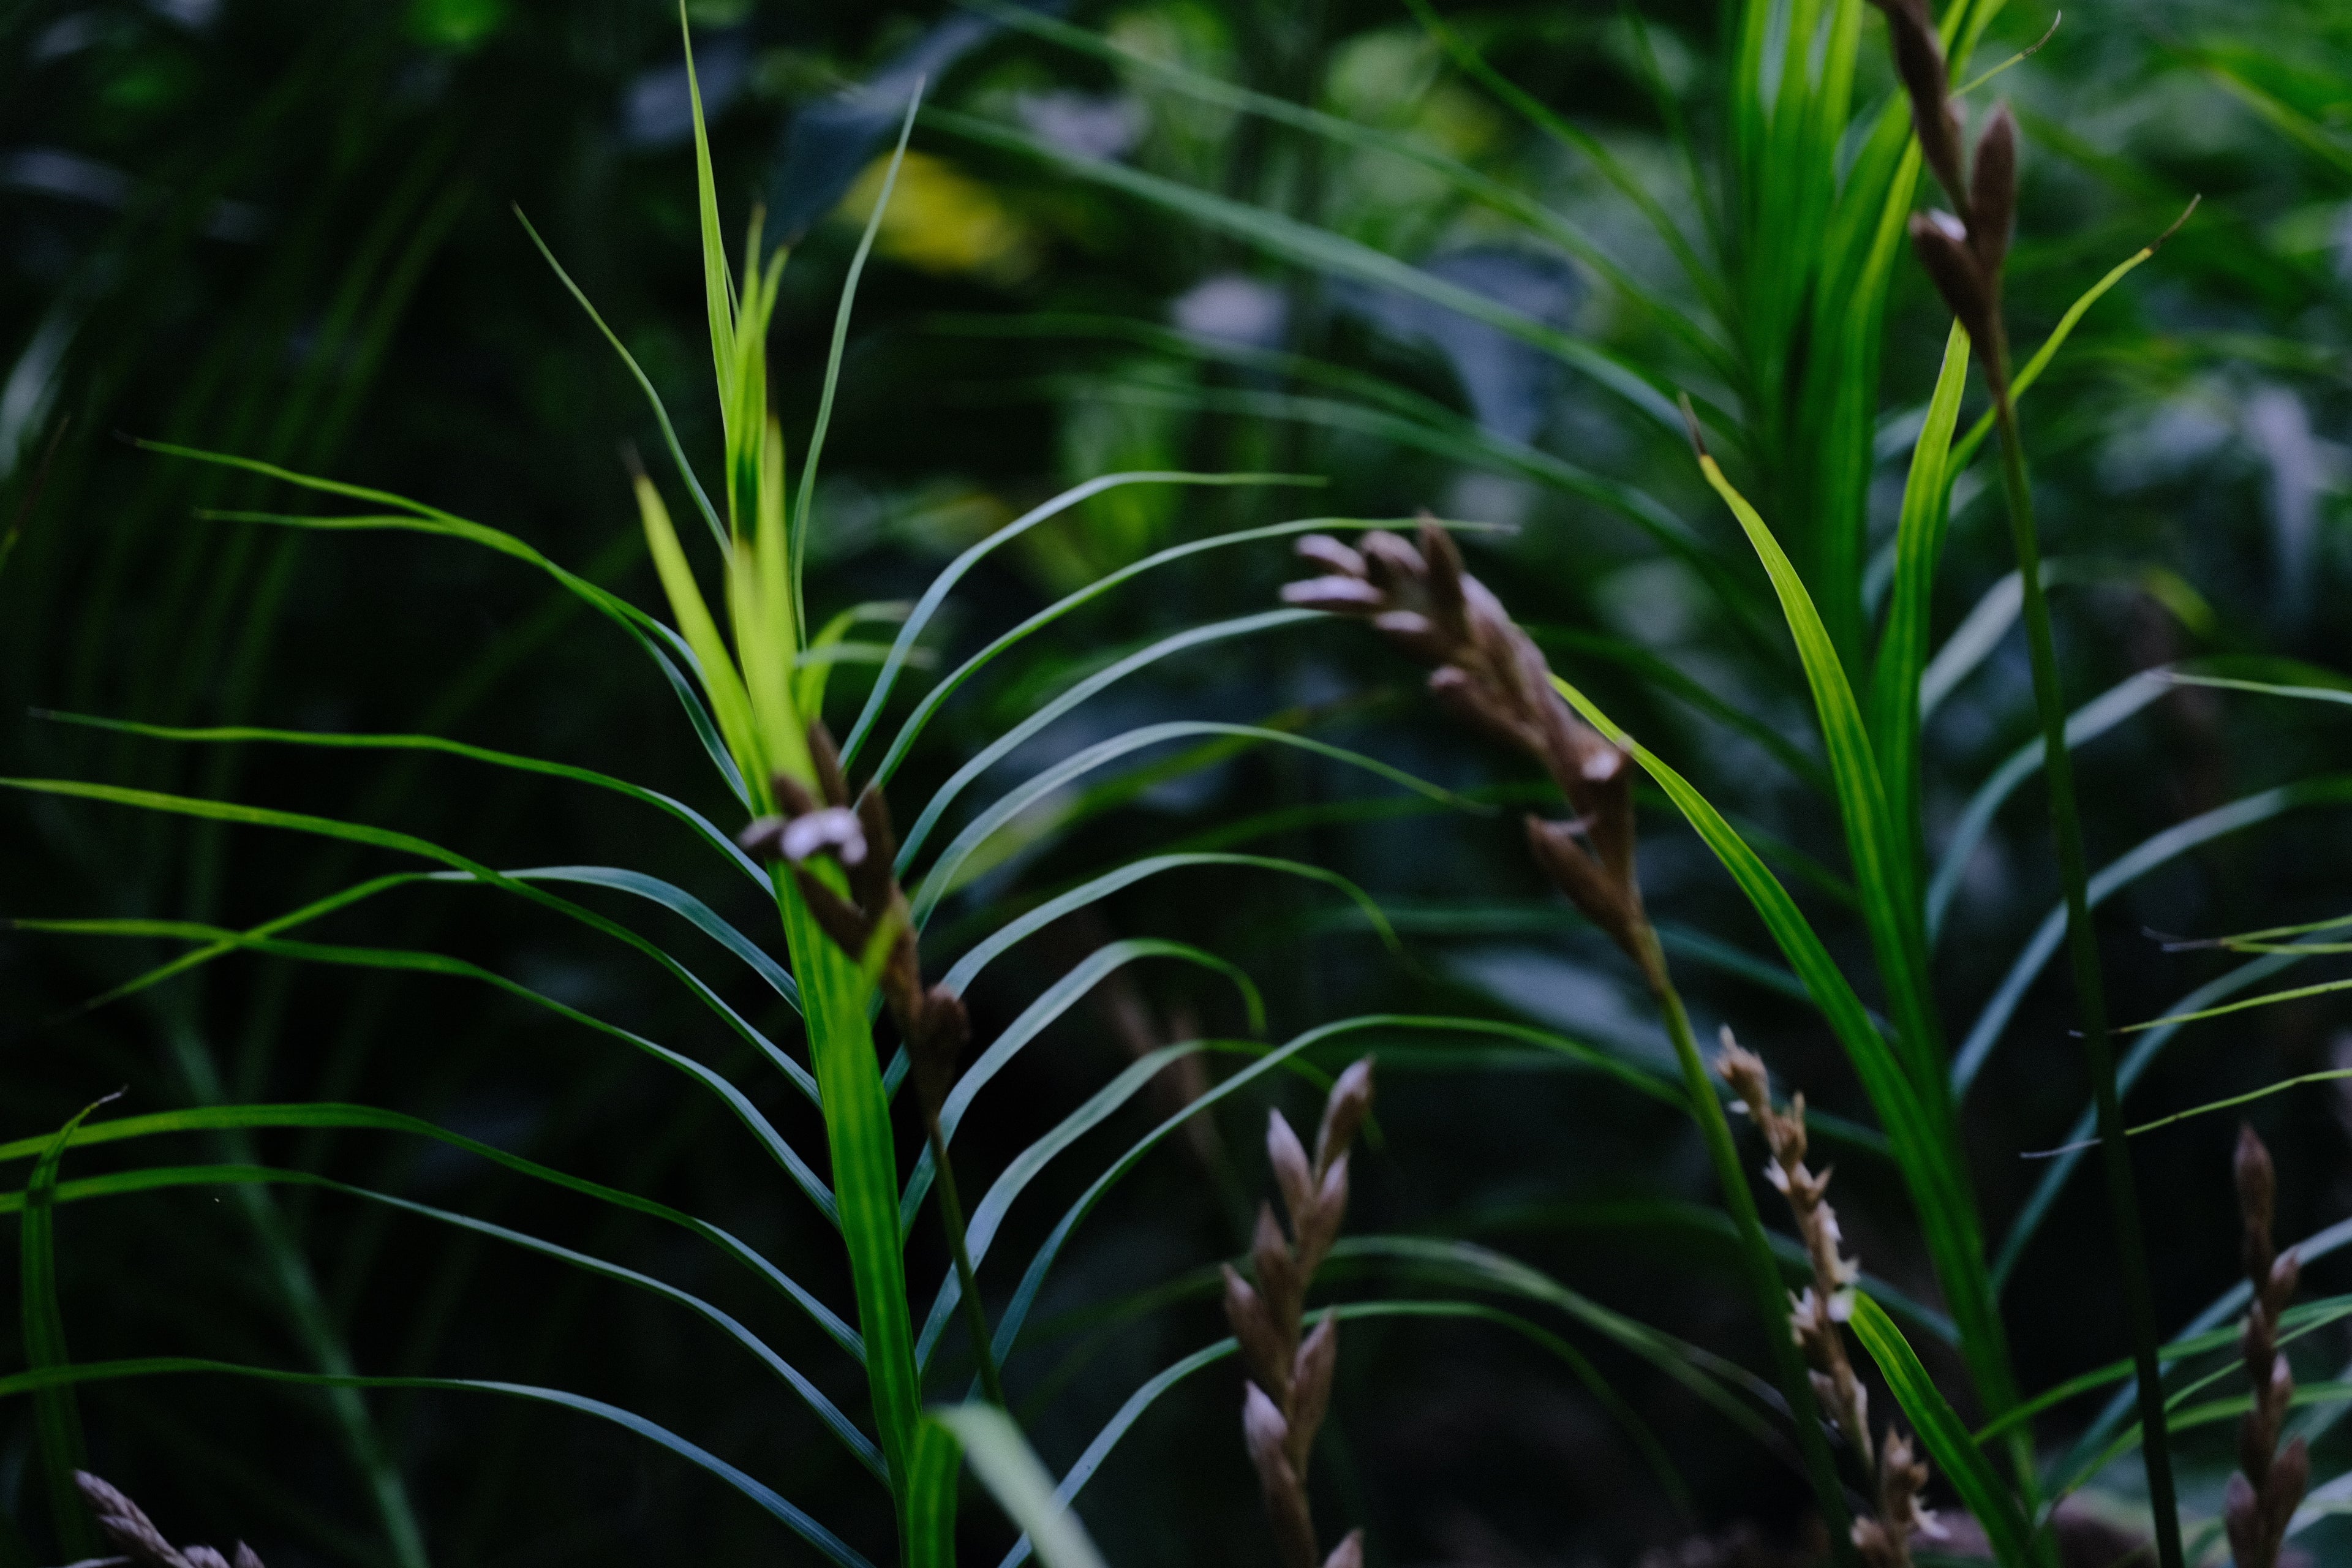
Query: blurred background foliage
[[284, 229]]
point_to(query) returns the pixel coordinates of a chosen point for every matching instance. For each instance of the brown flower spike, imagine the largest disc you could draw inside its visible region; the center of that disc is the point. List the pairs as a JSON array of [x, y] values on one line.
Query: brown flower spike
[[1963, 254], [1290, 1386], [859, 837], [1816, 1312], [136, 1539], [2261, 1499], [1488, 670]]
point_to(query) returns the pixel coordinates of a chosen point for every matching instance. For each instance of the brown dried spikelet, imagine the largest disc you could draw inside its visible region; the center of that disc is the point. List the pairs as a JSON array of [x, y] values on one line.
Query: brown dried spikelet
[[1964, 254], [132, 1533], [859, 839], [1423, 599], [2259, 1502], [1267, 1435], [1993, 193], [1288, 1389], [1919, 61], [1817, 1316]]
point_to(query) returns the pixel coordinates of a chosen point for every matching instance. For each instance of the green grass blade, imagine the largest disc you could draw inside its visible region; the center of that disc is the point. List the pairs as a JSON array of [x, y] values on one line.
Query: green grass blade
[[1964, 451], [943, 877], [2249, 811], [649, 633], [2086, 724], [2230, 1304], [932, 1468], [369, 1118], [1890, 899], [1702, 278], [1940, 1432], [997, 750], [938, 694], [799, 1523], [1481, 188], [1325, 251], [1897, 706], [731, 704], [1002, 1460], [1630, 656], [408, 844], [57, 1414], [2297, 1323], [1938, 1188], [1097, 889], [2290, 121], [2266, 689], [710, 832], [415, 962], [661, 413], [801, 513], [919, 618], [162, 1178], [1042, 1011], [833, 997], [717, 287]]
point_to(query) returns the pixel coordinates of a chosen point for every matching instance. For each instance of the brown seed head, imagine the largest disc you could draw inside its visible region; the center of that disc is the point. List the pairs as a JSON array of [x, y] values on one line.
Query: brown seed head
[[1292, 1174], [1344, 1110], [1265, 1350], [1919, 61], [1941, 242], [1267, 1435], [1279, 1277], [2257, 1180], [1992, 195], [126, 1528], [1310, 1385]]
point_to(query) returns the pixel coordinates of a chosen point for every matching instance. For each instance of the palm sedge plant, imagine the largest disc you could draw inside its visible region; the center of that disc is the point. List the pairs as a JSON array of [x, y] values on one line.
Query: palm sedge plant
[[751, 679]]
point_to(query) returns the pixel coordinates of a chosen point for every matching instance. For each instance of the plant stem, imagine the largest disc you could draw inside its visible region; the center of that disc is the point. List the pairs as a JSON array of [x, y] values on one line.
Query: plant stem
[[943, 1188], [2090, 991], [1756, 1249]]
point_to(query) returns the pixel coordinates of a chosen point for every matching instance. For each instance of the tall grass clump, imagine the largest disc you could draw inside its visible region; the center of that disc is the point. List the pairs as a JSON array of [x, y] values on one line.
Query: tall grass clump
[[749, 667], [1733, 407]]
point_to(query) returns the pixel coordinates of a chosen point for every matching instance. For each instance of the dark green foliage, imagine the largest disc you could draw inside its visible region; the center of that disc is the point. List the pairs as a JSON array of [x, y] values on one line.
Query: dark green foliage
[[399, 889]]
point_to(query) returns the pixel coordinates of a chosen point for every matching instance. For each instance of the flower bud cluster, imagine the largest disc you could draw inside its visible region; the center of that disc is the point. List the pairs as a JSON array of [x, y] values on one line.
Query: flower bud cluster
[[1816, 1313], [1290, 1370], [1486, 668], [872, 921], [2259, 1501], [137, 1541], [1963, 250]]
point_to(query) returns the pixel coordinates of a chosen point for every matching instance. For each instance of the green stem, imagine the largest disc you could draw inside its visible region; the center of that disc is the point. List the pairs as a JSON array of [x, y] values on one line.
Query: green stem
[[943, 1188], [1756, 1249], [2090, 991]]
